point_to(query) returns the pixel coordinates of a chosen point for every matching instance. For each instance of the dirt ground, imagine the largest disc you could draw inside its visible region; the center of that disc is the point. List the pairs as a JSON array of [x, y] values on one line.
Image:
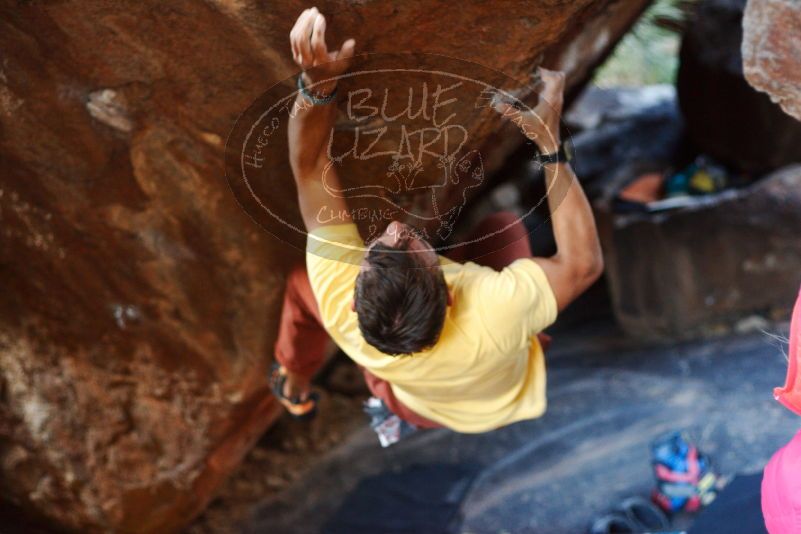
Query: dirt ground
[[287, 451], [609, 398]]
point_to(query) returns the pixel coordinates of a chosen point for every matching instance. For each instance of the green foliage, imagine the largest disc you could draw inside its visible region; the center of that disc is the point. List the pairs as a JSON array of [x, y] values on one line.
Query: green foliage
[[648, 54]]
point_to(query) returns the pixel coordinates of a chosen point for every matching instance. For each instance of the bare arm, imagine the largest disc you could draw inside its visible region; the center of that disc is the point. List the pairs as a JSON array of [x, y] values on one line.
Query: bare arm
[[310, 125], [578, 261], [309, 131]]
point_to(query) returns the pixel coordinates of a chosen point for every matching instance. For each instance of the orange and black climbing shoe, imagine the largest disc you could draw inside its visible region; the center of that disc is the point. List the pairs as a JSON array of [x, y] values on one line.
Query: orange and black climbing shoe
[[303, 410]]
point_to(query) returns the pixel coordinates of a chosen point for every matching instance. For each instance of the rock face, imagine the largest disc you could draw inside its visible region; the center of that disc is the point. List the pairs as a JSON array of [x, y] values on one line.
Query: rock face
[[726, 117], [139, 302], [729, 261], [771, 48]]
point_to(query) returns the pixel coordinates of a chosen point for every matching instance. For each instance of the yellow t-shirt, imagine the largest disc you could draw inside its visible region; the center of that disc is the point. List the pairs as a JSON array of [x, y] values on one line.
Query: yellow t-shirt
[[487, 369]]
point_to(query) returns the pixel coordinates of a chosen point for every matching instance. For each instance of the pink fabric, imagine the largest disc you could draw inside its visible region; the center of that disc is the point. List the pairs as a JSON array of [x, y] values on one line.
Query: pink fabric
[[781, 490], [781, 483], [790, 394]]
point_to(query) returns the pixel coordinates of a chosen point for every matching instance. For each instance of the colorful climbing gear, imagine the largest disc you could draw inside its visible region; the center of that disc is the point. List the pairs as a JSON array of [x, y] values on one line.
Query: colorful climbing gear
[[685, 480]]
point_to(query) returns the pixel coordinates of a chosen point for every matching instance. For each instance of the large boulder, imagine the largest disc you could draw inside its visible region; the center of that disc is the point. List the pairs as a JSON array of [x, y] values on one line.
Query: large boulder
[[727, 261], [771, 51], [139, 302], [727, 118]]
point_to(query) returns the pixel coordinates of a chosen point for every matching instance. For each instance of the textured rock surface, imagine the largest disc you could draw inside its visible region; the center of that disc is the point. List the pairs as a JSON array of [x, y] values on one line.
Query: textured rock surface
[[138, 301], [771, 51], [726, 117], [729, 261]]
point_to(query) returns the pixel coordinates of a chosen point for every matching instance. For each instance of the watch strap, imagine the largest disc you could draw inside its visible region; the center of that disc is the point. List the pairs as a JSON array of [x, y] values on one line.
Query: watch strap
[[317, 100], [563, 155]]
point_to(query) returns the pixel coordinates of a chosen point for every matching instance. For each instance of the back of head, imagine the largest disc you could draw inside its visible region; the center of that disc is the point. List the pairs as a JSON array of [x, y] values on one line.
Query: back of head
[[401, 303]]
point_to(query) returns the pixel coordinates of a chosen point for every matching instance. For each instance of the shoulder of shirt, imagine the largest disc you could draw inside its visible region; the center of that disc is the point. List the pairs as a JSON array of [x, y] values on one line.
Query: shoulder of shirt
[[335, 233]]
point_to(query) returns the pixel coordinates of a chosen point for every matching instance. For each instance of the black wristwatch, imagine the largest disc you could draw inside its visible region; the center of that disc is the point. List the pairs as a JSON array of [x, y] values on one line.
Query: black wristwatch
[[564, 154]]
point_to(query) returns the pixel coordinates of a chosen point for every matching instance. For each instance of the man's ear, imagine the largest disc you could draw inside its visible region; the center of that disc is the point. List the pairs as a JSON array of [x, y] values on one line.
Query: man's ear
[[450, 297], [353, 304]]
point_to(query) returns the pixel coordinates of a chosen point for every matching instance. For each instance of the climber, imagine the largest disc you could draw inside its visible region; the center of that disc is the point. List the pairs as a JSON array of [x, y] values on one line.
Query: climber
[[441, 341]]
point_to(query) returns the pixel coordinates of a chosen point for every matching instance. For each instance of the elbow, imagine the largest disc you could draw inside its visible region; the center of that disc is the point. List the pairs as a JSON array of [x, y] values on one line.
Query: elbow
[[590, 269], [596, 267]]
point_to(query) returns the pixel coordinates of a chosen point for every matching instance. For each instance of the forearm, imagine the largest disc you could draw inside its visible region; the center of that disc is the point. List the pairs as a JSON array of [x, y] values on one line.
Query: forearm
[[317, 182], [572, 220], [578, 261], [311, 120], [309, 132]]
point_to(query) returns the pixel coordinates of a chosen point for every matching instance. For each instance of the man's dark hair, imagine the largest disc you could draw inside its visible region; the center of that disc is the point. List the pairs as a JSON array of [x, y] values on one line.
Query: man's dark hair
[[401, 303]]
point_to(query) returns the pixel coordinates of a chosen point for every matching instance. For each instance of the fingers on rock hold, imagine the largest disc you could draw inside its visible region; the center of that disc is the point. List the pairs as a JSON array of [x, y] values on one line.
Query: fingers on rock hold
[[318, 39], [303, 37]]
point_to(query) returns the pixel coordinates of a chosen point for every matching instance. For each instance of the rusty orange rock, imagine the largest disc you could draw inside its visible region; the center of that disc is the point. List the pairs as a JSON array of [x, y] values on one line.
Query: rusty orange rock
[[771, 48], [139, 302]]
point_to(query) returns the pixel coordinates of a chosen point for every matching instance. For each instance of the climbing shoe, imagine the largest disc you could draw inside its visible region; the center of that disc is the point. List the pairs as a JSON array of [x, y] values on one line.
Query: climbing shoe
[[302, 410]]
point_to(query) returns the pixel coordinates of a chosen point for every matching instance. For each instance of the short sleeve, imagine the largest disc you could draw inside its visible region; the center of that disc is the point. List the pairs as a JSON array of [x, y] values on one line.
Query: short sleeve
[[516, 303], [333, 256]]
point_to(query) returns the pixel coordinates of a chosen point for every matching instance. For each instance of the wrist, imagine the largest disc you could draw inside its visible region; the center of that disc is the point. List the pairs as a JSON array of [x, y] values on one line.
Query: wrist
[[549, 146], [320, 90], [552, 153], [549, 141]]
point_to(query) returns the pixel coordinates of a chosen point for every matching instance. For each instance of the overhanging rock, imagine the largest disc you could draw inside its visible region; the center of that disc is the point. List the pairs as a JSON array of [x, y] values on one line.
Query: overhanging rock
[[771, 48], [139, 302]]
